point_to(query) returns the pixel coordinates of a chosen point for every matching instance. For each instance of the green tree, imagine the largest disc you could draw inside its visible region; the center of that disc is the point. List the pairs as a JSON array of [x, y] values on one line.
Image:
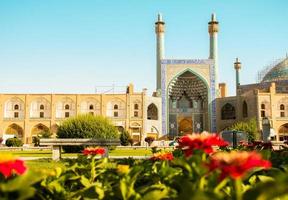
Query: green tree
[[249, 127], [86, 126], [45, 134], [14, 142], [124, 138], [42, 134], [149, 140]]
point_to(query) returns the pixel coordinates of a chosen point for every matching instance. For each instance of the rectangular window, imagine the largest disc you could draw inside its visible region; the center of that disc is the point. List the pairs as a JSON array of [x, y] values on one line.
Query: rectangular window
[[263, 113], [115, 114], [41, 114], [67, 114], [282, 114], [16, 115], [135, 114], [273, 138]]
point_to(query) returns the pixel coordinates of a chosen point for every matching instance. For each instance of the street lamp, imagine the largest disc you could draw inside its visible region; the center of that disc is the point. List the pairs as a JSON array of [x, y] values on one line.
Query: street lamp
[[265, 129]]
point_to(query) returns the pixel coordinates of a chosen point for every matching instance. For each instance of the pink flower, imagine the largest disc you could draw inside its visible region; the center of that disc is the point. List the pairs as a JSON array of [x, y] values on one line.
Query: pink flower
[[10, 165], [236, 163], [93, 151], [205, 142]]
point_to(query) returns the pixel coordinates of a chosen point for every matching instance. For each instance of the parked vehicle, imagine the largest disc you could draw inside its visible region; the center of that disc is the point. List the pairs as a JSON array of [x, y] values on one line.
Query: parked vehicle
[[234, 137]]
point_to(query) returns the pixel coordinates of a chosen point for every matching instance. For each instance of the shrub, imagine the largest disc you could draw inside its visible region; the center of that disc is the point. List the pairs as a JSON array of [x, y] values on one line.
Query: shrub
[[14, 142], [36, 141], [124, 138], [249, 127], [235, 175], [1, 140], [43, 134], [149, 140], [86, 126], [131, 141]]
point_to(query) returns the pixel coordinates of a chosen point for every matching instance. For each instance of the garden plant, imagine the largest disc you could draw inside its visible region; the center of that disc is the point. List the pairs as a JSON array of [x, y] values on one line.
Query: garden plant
[[86, 126], [194, 170]]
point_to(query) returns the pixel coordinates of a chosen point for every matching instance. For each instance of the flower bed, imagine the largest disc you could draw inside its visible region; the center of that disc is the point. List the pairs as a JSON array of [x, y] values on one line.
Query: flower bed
[[192, 171]]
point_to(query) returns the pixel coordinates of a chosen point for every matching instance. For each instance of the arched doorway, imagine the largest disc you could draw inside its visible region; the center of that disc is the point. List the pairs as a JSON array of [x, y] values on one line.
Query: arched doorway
[[185, 126], [152, 112], [13, 130], [188, 104], [228, 112], [38, 129], [283, 132]]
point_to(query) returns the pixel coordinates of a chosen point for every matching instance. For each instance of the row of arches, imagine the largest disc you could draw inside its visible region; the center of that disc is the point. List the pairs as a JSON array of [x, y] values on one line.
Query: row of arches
[[41, 108], [17, 131]]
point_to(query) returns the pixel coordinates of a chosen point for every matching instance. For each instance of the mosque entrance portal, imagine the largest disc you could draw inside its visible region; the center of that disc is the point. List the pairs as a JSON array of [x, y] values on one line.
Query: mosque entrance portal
[[188, 105]]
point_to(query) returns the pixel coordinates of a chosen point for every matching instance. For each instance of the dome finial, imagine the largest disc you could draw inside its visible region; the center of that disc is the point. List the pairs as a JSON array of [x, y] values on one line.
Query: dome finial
[[160, 18], [213, 17]]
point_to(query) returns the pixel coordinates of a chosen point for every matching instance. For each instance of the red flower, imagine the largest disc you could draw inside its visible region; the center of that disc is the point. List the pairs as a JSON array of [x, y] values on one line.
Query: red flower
[[205, 142], [10, 165], [162, 156], [93, 151], [236, 163]]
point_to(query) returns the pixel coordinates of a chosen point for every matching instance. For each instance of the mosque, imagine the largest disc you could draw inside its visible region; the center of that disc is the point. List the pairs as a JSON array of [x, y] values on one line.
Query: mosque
[[188, 98], [267, 101]]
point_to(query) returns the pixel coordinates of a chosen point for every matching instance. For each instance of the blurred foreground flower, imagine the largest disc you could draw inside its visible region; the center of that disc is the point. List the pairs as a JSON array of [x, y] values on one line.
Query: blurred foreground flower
[[237, 163], [162, 156], [257, 145], [10, 165], [204, 141], [94, 151], [123, 169]]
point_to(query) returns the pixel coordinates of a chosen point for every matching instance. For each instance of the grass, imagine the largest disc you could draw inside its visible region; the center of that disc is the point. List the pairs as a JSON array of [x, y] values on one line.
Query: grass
[[30, 153], [43, 164], [48, 153], [47, 164], [130, 152]]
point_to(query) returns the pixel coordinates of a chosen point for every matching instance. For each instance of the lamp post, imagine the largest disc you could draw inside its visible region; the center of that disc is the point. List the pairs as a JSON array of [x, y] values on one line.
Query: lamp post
[[234, 139], [265, 129]]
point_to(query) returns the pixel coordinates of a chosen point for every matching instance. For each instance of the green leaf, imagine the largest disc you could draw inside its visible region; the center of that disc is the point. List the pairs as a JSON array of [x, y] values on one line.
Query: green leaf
[[85, 182]]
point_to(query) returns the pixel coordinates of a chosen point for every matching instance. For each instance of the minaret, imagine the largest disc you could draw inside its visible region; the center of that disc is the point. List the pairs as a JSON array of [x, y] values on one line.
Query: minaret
[[237, 67], [160, 54], [213, 28]]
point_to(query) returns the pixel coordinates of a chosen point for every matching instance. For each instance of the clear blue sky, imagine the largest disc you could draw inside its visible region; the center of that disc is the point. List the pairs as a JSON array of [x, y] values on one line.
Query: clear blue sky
[[69, 46]]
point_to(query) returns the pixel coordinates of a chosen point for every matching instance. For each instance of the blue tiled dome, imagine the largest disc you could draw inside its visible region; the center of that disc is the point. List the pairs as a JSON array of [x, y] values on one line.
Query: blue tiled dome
[[278, 72]]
